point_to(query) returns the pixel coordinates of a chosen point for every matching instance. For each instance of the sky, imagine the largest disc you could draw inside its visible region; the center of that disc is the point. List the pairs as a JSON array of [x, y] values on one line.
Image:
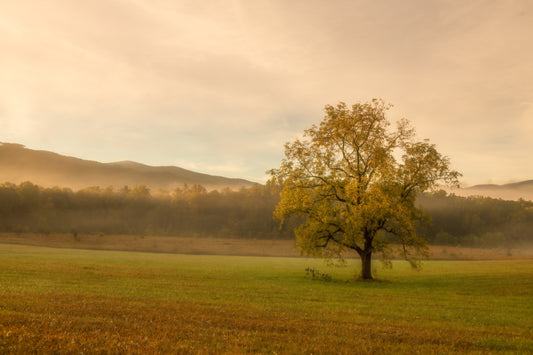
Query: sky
[[219, 86]]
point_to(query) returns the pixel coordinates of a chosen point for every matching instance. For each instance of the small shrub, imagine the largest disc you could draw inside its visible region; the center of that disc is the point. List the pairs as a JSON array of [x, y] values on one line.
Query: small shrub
[[317, 275]]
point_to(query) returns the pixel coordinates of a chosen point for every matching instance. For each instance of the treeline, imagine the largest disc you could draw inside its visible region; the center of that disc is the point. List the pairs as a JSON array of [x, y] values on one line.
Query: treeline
[[246, 213], [477, 221], [189, 210]]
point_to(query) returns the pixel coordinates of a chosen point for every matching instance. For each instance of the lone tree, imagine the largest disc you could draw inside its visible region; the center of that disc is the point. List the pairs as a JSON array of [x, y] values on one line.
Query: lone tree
[[354, 180]]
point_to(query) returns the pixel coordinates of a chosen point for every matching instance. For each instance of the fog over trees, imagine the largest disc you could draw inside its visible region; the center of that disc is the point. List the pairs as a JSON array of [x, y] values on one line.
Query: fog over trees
[[246, 213], [189, 210]]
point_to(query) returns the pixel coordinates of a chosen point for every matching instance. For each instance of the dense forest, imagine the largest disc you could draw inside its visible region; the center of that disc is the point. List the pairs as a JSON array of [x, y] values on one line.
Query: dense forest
[[477, 221], [189, 210], [246, 213]]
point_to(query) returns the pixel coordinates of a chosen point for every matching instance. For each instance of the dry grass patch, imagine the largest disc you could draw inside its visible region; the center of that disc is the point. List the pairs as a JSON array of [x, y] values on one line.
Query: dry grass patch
[[68, 323], [226, 246], [82, 301]]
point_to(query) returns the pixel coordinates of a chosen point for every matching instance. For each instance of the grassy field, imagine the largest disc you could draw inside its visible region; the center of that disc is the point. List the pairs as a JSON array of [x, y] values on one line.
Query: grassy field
[[228, 246], [83, 301]]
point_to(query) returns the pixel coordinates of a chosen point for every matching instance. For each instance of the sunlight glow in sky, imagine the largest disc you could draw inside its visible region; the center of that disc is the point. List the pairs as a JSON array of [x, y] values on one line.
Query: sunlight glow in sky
[[219, 86]]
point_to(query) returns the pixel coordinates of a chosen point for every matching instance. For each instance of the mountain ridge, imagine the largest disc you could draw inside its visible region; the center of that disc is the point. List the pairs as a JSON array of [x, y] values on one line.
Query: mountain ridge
[[48, 169], [511, 191], [520, 184]]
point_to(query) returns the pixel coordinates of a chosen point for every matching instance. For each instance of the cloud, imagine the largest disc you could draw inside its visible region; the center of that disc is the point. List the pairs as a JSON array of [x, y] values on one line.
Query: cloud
[[223, 85]]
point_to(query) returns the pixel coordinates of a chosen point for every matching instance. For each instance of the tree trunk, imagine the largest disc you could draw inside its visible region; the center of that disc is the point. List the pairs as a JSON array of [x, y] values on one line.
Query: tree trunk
[[366, 263]]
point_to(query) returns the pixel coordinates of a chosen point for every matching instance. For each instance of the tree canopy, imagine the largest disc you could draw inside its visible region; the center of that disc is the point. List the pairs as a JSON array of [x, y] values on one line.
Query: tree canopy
[[354, 180]]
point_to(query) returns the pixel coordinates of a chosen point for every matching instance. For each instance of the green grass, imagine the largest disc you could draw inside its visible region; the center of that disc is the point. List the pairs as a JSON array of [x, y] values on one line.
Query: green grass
[[71, 301]]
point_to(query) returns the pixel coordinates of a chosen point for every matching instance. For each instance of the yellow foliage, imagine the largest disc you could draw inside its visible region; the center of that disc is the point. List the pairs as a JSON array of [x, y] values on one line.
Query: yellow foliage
[[345, 179]]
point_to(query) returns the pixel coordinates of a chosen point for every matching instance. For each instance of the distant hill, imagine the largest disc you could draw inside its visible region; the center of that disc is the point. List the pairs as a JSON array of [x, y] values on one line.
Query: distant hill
[[48, 169], [513, 191]]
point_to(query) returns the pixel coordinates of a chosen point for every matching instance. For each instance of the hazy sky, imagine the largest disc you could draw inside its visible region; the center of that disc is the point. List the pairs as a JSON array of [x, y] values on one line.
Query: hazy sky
[[219, 86]]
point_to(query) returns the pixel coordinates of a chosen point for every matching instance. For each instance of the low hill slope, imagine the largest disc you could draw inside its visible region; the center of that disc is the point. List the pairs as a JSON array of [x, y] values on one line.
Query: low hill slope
[[18, 164], [514, 191]]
